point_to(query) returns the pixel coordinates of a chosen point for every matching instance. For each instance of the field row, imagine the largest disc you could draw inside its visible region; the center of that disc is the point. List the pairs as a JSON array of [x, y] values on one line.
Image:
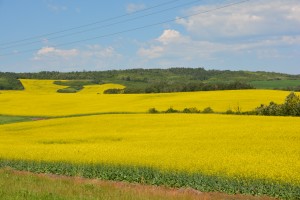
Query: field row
[[31, 104], [40, 99]]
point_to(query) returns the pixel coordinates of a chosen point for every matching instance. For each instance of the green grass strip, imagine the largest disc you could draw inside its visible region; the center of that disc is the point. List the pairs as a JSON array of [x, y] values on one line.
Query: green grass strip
[[148, 175], [5, 119]]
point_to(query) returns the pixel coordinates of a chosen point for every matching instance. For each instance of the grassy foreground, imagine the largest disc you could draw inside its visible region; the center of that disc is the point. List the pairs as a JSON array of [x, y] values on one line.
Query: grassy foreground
[[15, 185], [146, 175]]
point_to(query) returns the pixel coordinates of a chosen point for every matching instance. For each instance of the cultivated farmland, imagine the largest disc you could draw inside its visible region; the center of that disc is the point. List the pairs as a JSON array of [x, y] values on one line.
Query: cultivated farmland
[[209, 152], [41, 99]]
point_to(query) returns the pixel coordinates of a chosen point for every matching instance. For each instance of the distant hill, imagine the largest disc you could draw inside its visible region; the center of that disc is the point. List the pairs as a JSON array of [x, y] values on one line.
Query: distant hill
[[166, 80]]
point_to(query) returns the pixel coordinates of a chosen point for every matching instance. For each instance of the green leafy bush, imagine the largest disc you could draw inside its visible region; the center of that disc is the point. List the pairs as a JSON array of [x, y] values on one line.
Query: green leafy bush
[[208, 110], [291, 107]]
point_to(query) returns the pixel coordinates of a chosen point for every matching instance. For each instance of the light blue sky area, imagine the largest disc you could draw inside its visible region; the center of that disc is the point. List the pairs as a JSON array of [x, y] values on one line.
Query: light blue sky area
[[76, 35]]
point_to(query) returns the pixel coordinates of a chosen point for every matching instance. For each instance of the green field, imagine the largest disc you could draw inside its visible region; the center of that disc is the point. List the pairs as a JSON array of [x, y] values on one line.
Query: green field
[[276, 84]]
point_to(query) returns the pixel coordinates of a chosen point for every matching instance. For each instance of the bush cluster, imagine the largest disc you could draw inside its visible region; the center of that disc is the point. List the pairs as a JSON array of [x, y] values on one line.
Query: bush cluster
[[291, 107], [114, 91], [185, 110]]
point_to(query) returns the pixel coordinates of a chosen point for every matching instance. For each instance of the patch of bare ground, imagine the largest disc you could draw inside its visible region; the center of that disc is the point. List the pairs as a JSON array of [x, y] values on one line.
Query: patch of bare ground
[[148, 190], [38, 118]]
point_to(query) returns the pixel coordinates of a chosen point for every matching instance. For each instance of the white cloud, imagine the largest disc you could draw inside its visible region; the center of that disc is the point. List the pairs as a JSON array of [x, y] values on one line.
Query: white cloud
[[169, 36], [54, 52], [152, 52], [95, 57], [173, 45], [133, 7], [100, 52], [261, 17]]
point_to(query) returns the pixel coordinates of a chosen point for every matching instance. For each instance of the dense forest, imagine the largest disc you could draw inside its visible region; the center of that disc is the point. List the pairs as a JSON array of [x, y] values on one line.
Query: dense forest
[[158, 80]]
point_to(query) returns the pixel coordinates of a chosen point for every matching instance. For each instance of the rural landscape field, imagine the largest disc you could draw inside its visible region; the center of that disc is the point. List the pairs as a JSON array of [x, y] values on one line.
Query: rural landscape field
[[114, 137], [150, 100]]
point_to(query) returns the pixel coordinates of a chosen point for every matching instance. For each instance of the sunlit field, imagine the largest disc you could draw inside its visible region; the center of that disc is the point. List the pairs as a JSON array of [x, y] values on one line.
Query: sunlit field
[[238, 146], [40, 99], [99, 89], [122, 141]]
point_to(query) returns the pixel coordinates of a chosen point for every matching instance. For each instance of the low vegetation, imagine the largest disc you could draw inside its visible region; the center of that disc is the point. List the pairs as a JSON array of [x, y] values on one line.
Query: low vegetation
[[291, 107], [289, 85], [13, 119], [16, 185], [143, 175], [24, 185], [73, 86], [174, 79], [9, 81]]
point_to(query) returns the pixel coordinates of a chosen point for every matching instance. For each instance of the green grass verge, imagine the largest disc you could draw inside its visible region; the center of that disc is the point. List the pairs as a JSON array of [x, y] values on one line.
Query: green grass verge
[[4, 119], [20, 186], [147, 175]]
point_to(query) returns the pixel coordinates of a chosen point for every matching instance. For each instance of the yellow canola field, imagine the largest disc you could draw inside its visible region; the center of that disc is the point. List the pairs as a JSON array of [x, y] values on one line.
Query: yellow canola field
[[40, 99], [99, 89], [239, 146], [40, 86]]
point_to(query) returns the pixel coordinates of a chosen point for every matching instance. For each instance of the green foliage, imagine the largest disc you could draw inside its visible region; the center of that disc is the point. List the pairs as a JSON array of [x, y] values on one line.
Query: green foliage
[[13, 119], [153, 110], [174, 79], [71, 89], [28, 186], [191, 110], [9, 81], [229, 112], [208, 110], [187, 86], [76, 83], [114, 91], [151, 176], [171, 110], [291, 107], [291, 85]]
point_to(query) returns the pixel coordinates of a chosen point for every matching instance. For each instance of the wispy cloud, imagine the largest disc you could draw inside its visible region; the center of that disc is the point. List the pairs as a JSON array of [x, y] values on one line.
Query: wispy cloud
[[173, 45], [94, 56], [47, 52], [133, 7], [56, 8], [262, 17]]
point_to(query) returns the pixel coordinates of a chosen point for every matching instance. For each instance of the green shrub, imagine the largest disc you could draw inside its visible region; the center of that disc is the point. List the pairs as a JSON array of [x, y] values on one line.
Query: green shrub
[[153, 110], [291, 107], [72, 89], [229, 112], [191, 110], [208, 110], [114, 91], [171, 110]]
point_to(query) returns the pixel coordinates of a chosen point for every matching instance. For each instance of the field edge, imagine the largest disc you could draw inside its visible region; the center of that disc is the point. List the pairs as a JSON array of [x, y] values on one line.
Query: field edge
[[151, 176]]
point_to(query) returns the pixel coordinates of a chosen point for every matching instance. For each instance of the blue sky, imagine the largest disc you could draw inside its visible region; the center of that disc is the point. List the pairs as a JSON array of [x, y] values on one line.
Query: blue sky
[[258, 35]]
